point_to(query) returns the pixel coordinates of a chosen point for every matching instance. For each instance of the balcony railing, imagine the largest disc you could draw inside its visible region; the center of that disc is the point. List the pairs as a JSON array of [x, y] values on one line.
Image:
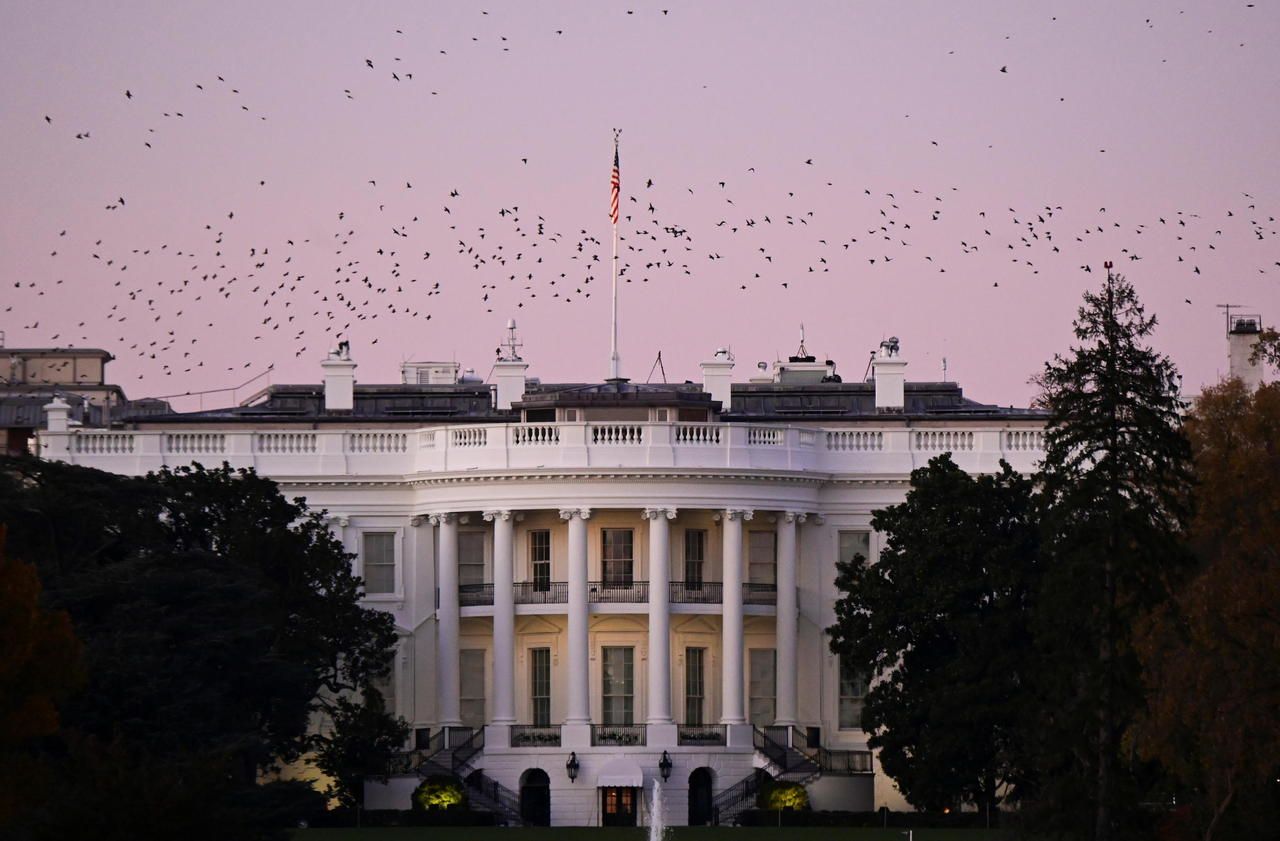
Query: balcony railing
[[705, 592], [620, 735], [759, 593], [615, 592], [535, 736], [700, 734], [472, 595], [541, 592], [618, 592]]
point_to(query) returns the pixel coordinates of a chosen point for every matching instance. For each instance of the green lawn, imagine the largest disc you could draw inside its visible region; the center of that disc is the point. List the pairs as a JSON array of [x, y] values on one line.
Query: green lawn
[[675, 834]]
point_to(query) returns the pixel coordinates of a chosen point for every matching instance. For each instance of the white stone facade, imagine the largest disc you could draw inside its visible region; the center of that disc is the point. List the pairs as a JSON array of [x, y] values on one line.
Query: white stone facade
[[462, 510]]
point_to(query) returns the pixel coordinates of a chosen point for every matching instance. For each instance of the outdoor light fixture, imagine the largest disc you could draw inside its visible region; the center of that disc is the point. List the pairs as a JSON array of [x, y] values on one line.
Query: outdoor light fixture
[[571, 767], [664, 766]]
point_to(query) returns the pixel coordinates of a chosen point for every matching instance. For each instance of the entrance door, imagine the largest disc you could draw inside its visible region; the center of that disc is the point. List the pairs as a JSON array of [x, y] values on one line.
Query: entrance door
[[700, 797], [618, 806], [535, 797]]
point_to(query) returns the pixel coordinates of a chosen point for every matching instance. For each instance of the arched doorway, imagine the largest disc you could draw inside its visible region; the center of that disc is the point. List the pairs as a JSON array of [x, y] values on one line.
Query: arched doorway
[[700, 783], [535, 797]]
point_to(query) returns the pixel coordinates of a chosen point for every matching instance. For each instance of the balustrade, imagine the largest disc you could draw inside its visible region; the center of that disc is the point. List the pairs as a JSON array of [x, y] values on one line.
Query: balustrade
[[529, 446]]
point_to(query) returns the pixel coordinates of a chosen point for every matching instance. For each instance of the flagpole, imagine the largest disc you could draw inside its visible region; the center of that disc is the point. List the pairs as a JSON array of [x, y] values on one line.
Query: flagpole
[[613, 347]]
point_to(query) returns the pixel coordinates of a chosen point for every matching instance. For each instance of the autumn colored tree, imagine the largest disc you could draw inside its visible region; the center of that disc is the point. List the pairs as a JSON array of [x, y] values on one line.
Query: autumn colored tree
[[39, 668], [1211, 658], [1114, 485]]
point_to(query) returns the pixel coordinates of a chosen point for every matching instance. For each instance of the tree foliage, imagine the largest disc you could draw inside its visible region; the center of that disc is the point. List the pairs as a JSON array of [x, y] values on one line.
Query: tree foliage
[[39, 667], [1211, 657], [218, 619], [1115, 482], [942, 619], [362, 743]]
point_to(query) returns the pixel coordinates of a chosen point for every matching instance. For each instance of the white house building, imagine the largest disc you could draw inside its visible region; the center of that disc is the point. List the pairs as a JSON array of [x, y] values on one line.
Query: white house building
[[600, 585]]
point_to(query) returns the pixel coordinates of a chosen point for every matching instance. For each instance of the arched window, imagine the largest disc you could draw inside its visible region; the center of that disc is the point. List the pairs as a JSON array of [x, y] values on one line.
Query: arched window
[[700, 788], [535, 797]]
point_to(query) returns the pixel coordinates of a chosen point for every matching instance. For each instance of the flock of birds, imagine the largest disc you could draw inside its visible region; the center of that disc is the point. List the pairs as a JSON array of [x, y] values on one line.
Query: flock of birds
[[391, 267]]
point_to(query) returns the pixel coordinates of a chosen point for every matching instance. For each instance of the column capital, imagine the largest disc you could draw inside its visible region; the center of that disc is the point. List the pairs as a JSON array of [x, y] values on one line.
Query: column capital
[[738, 514], [442, 517], [794, 516], [497, 514], [570, 513], [418, 520], [819, 519], [655, 513], [341, 520]]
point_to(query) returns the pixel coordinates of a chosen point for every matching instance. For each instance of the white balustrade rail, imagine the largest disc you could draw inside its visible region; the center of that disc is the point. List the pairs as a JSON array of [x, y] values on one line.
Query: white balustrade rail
[[884, 451]]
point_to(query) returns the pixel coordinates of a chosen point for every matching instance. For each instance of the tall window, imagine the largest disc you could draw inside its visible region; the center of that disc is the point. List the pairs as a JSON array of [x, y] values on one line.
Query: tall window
[[694, 685], [853, 544], [617, 555], [470, 557], [471, 686], [378, 562], [695, 553], [618, 691], [762, 560], [540, 685], [540, 559], [853, 691], [762, 686]]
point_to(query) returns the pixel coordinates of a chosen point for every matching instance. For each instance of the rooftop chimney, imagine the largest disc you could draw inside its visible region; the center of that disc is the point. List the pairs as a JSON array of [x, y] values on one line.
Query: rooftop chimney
[[56, 412], [339, 379], [890, 373], [717, 378], [509, 371], [1242, 339]]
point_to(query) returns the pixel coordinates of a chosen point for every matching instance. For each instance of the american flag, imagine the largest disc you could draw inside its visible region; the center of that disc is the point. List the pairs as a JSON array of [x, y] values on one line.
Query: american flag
[[614, 186]]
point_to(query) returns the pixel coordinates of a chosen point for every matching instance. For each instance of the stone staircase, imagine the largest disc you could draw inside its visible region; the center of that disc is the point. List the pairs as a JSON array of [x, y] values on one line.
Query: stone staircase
[[454, 754]]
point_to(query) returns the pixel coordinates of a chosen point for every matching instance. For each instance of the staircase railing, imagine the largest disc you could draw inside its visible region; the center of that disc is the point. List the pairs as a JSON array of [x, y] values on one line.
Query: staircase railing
[[467, 751], [741, 795], [494, 796]]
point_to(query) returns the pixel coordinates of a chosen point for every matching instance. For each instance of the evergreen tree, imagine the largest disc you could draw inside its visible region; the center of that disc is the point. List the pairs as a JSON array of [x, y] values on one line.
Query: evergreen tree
[[941, 620], [1115, 482]]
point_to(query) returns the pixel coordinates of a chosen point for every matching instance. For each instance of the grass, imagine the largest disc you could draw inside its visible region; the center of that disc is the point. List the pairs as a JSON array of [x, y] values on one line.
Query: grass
[[581, 833]]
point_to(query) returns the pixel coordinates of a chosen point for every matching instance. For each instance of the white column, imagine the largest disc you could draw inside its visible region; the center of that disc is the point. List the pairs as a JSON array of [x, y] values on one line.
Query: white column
[[732, 684], [448, 622], [787, 629], [659, 614], [504, 619], [578, 708]]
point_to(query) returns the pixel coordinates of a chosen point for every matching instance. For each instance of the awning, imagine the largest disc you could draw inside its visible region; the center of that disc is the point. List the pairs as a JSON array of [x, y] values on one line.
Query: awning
[[620, 772]]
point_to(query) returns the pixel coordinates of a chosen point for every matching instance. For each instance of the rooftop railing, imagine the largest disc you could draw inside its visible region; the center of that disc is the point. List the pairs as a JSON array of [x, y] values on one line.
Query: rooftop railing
[[883, 448]]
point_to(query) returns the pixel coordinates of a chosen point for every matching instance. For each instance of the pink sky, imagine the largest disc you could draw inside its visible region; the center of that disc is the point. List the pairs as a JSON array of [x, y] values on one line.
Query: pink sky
[[1183, 103]]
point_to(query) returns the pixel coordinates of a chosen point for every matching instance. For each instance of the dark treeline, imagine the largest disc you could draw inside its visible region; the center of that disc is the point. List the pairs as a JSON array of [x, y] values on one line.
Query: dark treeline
[[1093, 648], [169, 643]]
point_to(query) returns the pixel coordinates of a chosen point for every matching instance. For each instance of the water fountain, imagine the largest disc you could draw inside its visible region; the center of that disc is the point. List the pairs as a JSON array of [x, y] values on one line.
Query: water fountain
[[657, 818]]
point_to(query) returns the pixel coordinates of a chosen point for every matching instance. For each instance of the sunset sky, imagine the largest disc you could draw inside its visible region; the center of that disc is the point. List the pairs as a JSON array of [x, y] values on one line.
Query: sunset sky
[[942, 172]]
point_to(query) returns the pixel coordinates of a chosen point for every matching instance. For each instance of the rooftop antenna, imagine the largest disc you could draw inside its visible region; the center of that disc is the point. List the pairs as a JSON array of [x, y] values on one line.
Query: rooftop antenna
[[509, 351], [657, 366], [1227, 308], [615, 187], [802, 351], [944, 369]]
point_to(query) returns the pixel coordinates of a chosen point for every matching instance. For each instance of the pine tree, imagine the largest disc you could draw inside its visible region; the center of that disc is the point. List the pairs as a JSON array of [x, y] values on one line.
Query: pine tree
[[1115, 483]]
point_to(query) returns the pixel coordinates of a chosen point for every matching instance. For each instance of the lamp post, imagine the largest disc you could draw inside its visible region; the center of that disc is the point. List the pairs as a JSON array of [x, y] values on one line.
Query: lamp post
[[664, 766], [571, 766]]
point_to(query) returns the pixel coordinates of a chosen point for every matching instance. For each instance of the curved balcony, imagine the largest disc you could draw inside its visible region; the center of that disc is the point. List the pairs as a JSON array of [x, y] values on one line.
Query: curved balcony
[[616, 592]]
